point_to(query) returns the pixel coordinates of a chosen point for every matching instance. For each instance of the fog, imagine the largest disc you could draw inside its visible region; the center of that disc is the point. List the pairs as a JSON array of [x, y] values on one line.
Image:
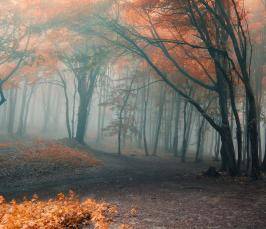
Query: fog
[[128, 113]]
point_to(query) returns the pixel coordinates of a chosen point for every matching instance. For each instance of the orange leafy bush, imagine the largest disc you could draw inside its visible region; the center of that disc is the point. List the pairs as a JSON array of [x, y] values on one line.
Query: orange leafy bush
[[49, 151], [61, 212], [58, 153]]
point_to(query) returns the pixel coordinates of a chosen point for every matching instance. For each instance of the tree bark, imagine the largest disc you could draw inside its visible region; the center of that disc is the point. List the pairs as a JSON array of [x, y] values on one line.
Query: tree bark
[[159, 121], [120, 117], [12, 110], [176, 130], [85, 91], [200, 141], [22, 110]]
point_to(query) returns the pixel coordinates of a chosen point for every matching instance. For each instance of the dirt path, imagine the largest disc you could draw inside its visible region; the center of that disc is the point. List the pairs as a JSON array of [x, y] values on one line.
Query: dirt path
[[151, 192], [122, 170]]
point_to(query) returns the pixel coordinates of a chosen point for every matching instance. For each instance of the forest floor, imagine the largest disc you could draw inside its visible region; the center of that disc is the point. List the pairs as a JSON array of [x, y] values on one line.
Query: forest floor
[[149, 192]]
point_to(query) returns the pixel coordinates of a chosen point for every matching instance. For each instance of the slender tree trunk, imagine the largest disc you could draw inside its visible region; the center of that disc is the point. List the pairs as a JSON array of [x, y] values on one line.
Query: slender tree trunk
[[146, 99], [74, 109], [22, 110], [4, 117], [200, 140], [168, 124], [99, 118], [56, 111], [121, 118], [263, 166], [47, 112], [188, 113], [25, 121], [67, 112], [217, 147], [12, 110], [67, 116], [177, 114], [159, 121]]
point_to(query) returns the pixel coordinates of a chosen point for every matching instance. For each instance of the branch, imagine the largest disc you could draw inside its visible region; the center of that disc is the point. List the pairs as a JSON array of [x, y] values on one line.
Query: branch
[[144, 86]]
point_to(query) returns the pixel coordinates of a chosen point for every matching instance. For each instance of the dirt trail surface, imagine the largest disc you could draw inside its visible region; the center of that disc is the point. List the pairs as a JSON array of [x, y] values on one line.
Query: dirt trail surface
[[150, 192], [112, 169]]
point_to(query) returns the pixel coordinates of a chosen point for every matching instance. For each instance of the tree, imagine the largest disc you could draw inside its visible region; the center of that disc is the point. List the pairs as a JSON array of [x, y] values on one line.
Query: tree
[[14, 43], [86, 63], [221, 37]]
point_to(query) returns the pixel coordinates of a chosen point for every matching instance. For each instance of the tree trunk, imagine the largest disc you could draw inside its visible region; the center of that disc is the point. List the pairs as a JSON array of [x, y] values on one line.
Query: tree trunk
[[144, 122], [159, 121], [67, 112], [188, 112], [177, 114], [217, 146], [12, 110], [200, 140], [263, 166], [22, 110], [144, 130], [125, 100], [253, 134], [85, 90], [47, 108], [74, 110], [25, 121]]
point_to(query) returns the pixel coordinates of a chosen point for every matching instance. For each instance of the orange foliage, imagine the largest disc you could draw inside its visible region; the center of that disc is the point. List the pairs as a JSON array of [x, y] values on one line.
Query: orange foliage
[[61, 212], [147, 16], [58, 153], [44, 42], [53, 152]]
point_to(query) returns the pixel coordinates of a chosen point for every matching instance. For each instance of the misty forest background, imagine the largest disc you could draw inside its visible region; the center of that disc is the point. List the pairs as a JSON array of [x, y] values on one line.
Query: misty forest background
[[118, 84], [173, 84]]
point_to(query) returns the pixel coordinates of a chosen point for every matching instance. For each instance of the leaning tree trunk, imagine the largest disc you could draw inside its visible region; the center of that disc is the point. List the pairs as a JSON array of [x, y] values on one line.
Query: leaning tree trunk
[[225, 89], [227, 149]]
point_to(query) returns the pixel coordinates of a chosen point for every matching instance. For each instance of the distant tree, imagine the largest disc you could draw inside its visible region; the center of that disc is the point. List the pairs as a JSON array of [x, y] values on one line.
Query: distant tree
[[87, 63]]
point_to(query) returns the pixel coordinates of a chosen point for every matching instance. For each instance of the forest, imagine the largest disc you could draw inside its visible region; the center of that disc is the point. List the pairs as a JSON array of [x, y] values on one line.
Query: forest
[[132, 114]]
